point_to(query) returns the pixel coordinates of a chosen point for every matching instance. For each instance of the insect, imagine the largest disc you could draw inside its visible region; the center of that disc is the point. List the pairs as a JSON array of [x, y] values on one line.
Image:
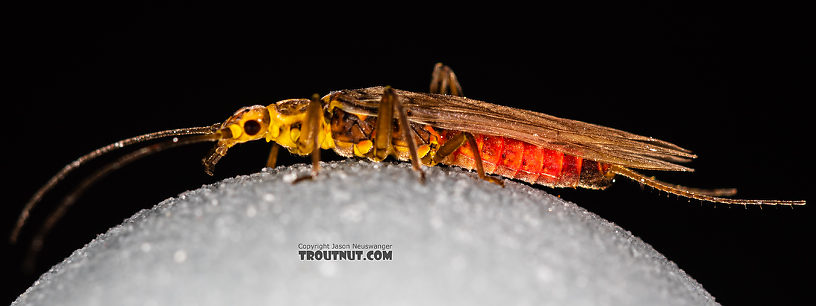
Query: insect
[[440, 127]]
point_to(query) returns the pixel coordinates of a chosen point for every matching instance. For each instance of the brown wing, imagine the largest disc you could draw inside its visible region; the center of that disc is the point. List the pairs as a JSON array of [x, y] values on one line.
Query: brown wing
[[573, 137]]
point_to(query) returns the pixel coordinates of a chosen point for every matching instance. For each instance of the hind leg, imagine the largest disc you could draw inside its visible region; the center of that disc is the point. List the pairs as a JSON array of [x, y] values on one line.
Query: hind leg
[[443, 81]]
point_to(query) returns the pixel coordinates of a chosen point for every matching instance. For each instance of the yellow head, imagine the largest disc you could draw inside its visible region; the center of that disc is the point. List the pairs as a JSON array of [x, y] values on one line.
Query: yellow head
[[247, 124], [282, 122]]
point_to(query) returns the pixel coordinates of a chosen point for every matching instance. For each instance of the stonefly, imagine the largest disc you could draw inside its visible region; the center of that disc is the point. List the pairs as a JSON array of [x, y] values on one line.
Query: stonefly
[[440, 127]]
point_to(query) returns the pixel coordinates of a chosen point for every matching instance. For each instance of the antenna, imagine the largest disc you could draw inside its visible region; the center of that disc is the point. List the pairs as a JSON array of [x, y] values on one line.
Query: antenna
[[204, 130]]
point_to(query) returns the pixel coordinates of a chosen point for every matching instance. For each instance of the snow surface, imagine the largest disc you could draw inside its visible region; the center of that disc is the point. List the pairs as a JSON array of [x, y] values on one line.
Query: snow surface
[[454, 240]]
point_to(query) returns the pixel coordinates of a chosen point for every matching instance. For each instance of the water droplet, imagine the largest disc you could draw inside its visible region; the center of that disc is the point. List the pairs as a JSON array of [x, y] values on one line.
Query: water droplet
[[269, 197], [290, 177], [458, 263], [180, 256], [544, 273], [436, 222], [328, 268]]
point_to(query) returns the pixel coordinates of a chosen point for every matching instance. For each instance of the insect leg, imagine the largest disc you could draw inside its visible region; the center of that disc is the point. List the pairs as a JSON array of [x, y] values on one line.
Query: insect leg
[[311, 131], [478, 159], [443, 81], [273, 156], [405, 128], [384, 126], [448, 148], [457, 141]]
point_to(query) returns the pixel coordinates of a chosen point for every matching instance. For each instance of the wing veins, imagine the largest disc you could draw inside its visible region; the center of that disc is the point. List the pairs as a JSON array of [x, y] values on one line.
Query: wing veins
[[573, 137]]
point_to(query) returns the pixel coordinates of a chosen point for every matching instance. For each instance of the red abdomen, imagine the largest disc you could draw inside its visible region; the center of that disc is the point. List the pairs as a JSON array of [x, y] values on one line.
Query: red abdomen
[[536, 165]]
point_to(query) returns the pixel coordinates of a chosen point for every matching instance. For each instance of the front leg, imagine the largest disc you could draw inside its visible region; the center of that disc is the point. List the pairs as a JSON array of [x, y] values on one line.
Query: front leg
[[311, 136]]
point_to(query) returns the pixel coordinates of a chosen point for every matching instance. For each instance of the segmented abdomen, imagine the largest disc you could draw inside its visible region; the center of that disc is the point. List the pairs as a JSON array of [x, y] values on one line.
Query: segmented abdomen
[[519, 160], [353, 136]]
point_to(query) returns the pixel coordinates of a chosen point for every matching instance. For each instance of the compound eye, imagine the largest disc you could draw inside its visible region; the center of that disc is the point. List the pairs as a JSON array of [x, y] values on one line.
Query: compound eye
[[252, 127]]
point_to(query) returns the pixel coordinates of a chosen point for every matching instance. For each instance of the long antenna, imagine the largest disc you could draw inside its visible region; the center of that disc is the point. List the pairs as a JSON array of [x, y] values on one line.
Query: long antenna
[[698, 194], [69, 200], [204, 130]]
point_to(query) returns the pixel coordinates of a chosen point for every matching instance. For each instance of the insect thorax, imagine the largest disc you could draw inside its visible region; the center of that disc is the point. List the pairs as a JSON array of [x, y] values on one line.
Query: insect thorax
[[287, 119], [353, 136]]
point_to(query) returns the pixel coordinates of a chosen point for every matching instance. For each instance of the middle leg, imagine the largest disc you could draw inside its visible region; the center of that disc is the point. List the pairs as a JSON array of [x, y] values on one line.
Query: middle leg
[[389, 107]]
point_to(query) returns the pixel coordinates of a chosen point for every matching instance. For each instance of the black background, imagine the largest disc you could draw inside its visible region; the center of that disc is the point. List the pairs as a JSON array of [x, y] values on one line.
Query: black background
[[724, 80]]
